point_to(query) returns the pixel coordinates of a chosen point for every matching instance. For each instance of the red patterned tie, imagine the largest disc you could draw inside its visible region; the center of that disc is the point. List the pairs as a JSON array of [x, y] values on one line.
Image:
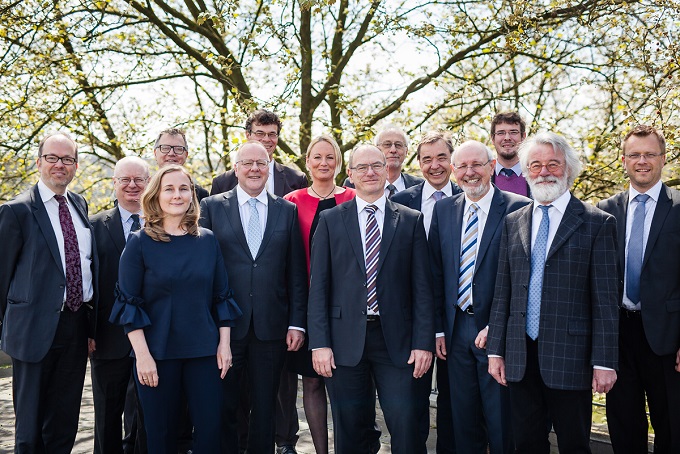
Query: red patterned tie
[[74, 273]]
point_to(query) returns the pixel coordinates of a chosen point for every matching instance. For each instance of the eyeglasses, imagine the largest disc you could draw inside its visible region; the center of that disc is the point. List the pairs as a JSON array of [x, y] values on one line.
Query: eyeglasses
[[53, 158], [249, 164], [536, 167], [439, 159], [474, 166], [647, 156], [387, 145], [127, 180], [512, 132], [179, 150], [262, 135], [363, 168]]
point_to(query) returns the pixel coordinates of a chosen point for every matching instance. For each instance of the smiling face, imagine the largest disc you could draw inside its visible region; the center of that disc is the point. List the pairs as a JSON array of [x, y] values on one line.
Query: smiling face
[[369, 183], [507, 139], [435, 163], [175, 194], [57, 176], [393, 145], [129, 195], [546, 186], [267, 135], [322, 161], [473, 169], [644, 169], [254, 179], [171, 157]]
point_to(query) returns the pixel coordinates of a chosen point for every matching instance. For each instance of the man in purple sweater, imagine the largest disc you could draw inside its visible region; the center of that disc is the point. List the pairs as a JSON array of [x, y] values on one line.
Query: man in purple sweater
[[508, 130]]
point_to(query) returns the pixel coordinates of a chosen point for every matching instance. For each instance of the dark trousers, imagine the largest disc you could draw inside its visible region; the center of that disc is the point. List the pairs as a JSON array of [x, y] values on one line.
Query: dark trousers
[[445, 440], [350, 390], [531, 400], [110, 379], [200, 380], [134, 440], [481, 407], [643, 373], [47, 393], [287, 424], [263, 361]]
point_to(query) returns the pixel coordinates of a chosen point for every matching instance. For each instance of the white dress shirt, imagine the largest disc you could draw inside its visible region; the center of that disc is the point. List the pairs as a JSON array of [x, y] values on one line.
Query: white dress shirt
[[555, 214], [270, 179], [244, 208], [427, 202], [126, 220], [517, 168]]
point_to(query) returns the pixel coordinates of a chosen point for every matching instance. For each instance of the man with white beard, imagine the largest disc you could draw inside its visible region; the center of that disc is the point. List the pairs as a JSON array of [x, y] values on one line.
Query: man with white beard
[[554, 320]]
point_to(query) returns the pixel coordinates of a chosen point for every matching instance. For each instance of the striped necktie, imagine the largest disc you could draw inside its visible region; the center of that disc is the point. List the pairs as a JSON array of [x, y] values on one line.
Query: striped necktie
[[372, 255], [467, 259]]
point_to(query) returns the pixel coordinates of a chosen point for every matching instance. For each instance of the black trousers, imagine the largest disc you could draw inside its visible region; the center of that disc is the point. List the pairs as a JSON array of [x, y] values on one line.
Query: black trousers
[[47, 393], [110, 379]]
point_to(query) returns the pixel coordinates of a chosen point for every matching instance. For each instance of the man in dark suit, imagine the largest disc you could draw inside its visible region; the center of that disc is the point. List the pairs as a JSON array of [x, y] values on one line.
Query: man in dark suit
[[508, 130], [393, 142], [648, 223], [262, 247], [110, 363], [554, 320], [464, 240], [371, 313], [48, 271], [171, 148], [264, 126], [434, 157]]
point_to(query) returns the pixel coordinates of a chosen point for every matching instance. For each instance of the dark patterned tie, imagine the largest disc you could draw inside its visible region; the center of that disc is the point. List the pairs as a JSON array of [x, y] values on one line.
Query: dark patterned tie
[[372, 254], [136, 225], [393, 190], [507, 172], [74, 273]]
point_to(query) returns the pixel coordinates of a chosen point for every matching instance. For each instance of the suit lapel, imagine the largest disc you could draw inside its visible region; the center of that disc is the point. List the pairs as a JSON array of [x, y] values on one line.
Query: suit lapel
[[351, 221], [570, 222], [273, 213], [493, 222], [663, 207], [524, 224], [389, 227], [279, 179], [621, 216], [456, 222], [43, 220], [114, 225], [230, 204]]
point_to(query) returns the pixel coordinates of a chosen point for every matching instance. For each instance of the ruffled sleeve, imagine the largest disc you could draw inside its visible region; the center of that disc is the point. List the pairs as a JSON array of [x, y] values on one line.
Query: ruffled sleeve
[[226, 310], [127, 311]]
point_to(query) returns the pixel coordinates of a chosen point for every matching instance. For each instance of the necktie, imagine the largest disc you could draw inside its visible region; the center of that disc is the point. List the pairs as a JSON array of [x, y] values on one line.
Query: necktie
[[393, 190], [438, 195], [372, 254], [507, 172], [467, 258], [136, 225], [635, 250], [254, 228], [536, 280], [74, 273]]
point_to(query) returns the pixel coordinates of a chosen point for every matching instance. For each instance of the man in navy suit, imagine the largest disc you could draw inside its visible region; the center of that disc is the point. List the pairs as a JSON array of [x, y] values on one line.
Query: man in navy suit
[[464, 241], [554, 321], [393, 142], [48, 271], [371, 313], [262, 247], [648, 222], [110, 363], [434, 157]]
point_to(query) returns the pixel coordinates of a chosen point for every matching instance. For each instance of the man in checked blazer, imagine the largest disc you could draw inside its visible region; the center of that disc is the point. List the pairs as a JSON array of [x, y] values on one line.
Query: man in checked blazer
[[554, 320]]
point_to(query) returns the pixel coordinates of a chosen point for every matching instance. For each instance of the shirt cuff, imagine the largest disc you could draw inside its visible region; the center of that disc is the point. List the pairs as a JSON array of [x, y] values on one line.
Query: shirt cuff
[[438, 335], [602, 368], [297, 328]]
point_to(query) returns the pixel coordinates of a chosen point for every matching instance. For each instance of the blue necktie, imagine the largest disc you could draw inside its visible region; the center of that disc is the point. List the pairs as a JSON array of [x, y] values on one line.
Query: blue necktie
[[136, 225], [254, 228], [467, 259], [438, 195], [635, 250], [538, 253]]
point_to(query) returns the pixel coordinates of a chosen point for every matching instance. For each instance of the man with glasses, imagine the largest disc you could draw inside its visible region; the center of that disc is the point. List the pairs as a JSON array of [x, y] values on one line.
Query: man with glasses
[[393, 142], [508, 130], [265, 127], [110, 363], [47, 300], [371, 313], [648, 222], [171, 148], [464, 247], [553, 329], [262, 247]]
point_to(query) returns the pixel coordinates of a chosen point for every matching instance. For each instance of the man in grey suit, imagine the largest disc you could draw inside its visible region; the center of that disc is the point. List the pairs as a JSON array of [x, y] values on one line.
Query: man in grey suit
[[393, 142], [554, 322], [48, 270], [648, 222], [262, 247], [371, 314], [464, 241], [110, 363]]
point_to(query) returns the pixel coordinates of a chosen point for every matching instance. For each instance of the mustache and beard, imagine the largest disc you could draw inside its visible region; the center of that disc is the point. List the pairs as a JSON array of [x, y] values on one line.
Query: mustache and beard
[[547, 189]]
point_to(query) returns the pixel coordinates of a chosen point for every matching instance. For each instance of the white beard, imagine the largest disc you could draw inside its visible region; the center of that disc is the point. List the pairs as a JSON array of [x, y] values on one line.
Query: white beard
[[543, 193]]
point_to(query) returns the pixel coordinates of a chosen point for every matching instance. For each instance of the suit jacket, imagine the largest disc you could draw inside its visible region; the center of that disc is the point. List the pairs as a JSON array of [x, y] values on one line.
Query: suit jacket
[[286, 179], [412, 197], [271, 288], [338, 295], [112, 343], [409, 180], [445, 238], [32, 278], [660, 289], [579, 308]]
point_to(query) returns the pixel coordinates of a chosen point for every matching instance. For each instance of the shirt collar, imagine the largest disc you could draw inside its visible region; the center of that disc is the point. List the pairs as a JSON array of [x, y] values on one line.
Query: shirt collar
[[560, 203], [517, 168], [428, 190], [380, 203], [125, 214], [653, 192], [243, 196], [484, 203], [46, 193]]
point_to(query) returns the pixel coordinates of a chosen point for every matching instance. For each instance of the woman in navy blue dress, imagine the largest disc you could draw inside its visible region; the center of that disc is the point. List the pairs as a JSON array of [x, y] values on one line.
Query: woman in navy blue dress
[[175, 305]]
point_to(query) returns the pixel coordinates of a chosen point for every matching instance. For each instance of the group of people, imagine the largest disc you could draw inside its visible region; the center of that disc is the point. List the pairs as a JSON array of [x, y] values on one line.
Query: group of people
[[199, 311]]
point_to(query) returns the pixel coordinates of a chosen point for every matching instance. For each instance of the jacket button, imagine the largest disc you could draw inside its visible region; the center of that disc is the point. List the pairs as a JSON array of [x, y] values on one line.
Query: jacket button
[[254, 265], [363, 312]]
